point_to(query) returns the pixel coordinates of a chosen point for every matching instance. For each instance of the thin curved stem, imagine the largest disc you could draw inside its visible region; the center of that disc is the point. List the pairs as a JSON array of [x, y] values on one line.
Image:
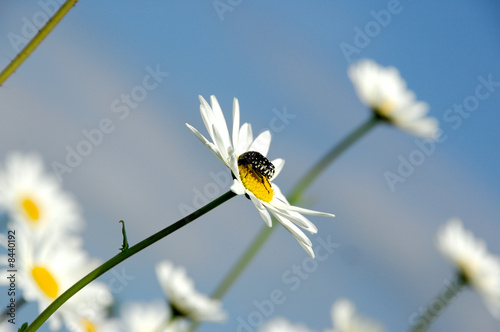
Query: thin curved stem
[[243, 262], [39, 37], [294, 197], [421, 323], [327, 159], [123, 256]]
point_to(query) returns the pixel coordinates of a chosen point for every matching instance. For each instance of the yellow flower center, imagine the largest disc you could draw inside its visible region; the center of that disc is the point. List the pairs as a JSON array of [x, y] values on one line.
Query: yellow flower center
[[45, 281], [31, 210], [258, 184], [385, 108], [88, 326]]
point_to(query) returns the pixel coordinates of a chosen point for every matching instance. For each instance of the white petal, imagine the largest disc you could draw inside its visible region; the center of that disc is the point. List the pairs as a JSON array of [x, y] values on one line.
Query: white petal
[[207, 116], [262, 143], [236, 122], [223, 148], [308, 249], [208, 144], [221, 125], [296, 218], [245, 139], [278, 166], [238, 188], [294, 230], [278, 196], [301, 210], [262, 210], [425, 127]]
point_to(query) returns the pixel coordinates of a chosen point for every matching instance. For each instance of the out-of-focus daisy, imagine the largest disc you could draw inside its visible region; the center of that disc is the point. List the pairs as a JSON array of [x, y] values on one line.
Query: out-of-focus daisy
[[346, 319], [476, 266], [253, 173], [45, 269], [5, 326], [91, 323], [185, 300], [384, 91], [34, 200], [282, 325], [149, 317], [87, 310]]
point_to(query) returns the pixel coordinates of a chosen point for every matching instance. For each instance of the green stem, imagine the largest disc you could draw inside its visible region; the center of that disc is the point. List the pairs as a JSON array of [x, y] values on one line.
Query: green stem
[[123, 256], [440, 302], [39, 37], [243, 262], [327, 159], [295, 195]]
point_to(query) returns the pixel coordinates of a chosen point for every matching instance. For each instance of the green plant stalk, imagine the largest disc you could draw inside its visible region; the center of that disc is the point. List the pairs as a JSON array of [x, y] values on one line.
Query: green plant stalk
[[443, 299], [123, 256], [39, 37], [293, 198], [327, 159]]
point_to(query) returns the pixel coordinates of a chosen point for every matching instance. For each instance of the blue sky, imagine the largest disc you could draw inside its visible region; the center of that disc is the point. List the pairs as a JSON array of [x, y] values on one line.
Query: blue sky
[[274, 57]]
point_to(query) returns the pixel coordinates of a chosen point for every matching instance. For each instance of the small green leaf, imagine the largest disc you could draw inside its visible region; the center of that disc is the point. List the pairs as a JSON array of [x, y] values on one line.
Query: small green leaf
[[124, 233], [23, 327]]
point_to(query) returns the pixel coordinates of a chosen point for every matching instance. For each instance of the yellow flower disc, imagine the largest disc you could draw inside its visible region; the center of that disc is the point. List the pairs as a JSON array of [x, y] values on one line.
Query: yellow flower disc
[[31, 209], [385, 108], [45, 281], [258, 184], [88, 326]]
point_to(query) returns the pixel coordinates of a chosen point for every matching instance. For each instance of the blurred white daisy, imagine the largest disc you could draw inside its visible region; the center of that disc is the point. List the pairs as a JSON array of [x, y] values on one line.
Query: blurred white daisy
[[253, 173], [149, 317], [346, 319], [45, 269], [280, 324], [91, 323], [385, 92], [34, 200], [476, 266], [185, 300], [5, 326], [87, 310]]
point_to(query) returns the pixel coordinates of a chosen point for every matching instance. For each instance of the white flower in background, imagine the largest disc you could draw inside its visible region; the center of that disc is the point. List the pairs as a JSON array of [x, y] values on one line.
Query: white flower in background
[[185, 300], [149, 317], [385, 92], [45, 269], [478, 268], [345, 319], [5, 326], [282, 325], [34, 200], [87, 310], [90, 323], [253, 173]]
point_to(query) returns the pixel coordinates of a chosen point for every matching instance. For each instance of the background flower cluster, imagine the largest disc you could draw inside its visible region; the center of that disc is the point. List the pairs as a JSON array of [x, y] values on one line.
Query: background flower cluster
[[285, 64]]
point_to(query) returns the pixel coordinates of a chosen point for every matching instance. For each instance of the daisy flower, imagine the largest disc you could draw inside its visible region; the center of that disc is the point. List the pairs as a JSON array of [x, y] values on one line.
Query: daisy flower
[[253, 173], [91, 323], [34, 200], [345, 319], [282, 325], [5, 326], [45, 269], [149, 317], [87, 310], [384, 91], [184, 299], [476, 266]]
